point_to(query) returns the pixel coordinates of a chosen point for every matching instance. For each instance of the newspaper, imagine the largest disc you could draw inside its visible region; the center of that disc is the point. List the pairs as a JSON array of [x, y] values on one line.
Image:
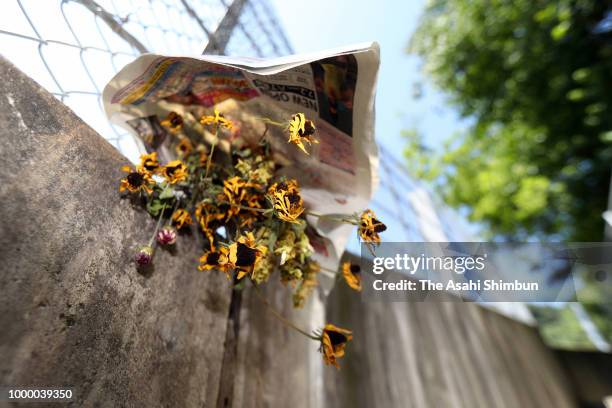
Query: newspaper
[[335, 88]]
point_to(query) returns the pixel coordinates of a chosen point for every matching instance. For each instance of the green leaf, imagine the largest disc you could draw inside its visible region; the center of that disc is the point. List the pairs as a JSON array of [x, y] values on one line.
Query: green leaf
[[560, 30], [606, 136], [167, 192], [581, 75], [154, 207], [576, 94], [546, 14]]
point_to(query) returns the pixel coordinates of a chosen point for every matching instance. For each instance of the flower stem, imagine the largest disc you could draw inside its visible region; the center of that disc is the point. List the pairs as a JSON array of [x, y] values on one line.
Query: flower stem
[[328, 270], [272, 122], [161, 216], [242, 207], [261, 139], [176, 203], [332, 217], [212, 150], [280, 317], [330, 273]]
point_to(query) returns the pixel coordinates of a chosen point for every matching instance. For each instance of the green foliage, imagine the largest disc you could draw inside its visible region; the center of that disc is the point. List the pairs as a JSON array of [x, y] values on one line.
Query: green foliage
[[560, 328], [596, 297], [537, 79]]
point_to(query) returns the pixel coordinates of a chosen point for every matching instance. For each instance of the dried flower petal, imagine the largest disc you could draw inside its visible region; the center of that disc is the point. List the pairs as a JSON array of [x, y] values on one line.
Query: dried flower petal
[[370, 227], [217, 119], [215, 260], [136, 180], [174, 122], [184, 147], [181, 218], [288, 203], [175, 172], [352, 275], [245, 253], [301, 130], [333, 343], [149, 163]]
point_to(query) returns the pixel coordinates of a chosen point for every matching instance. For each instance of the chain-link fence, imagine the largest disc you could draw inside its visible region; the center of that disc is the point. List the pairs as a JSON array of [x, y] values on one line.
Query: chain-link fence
[[73, 47]]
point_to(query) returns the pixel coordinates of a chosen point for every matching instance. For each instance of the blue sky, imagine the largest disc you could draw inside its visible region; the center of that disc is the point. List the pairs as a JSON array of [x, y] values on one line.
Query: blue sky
[[319, 24]]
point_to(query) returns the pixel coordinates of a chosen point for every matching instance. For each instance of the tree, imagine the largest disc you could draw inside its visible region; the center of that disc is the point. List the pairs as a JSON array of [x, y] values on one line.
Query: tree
[[536, 76]]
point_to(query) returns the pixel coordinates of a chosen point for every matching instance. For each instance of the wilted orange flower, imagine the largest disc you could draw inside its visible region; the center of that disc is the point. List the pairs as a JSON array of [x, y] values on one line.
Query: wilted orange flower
[[352, 275], [215, 260], [217, 119], [245, 253], [175, 172], [370, 227], [174, 122], [248, 217], [203, 154], [288, 203], [333, 343], [184, 147], [149, 163], [181, 218], [301, 130], [234, 191], [237, 193], [136, 180], [206, 214]]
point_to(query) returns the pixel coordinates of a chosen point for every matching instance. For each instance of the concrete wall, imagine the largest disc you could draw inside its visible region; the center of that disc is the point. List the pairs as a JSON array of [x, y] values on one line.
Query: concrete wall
[[74, 311], [441, 353]]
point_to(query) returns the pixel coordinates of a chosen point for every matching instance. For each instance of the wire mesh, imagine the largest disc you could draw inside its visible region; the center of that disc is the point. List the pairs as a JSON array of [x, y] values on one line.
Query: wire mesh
[[73, 47]]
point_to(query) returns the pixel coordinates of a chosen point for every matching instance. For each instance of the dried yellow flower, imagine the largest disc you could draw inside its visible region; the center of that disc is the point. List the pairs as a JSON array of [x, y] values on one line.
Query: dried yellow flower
[[184, 147], [207, 214], [175, 172], [370, 227], [149, 163], [352, 275], [173, 121], [215, 260], [136, 180], [262, 269], [288, 203], [245, 253], [301, 130], [333, 343], [181, 218], [217, 119]]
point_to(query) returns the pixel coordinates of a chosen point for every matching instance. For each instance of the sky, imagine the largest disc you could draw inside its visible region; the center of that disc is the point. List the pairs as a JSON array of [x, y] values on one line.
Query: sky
[[316, 25], [320, 24]]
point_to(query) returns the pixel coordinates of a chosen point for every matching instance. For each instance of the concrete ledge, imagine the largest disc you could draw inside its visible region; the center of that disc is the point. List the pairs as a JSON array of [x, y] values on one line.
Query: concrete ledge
[[74, 311]]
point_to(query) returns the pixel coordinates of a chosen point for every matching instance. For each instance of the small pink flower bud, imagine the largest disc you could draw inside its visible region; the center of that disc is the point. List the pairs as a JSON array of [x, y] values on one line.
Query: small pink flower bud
[[166, 236], [144, 256]]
